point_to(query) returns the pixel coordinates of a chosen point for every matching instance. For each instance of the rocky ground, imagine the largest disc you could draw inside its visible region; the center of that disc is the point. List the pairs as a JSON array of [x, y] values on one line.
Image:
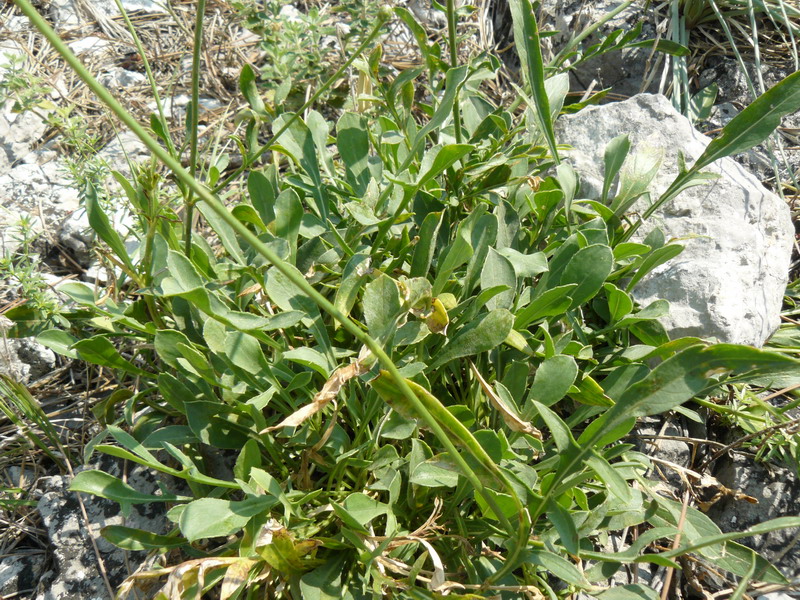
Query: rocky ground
[[728, 285]]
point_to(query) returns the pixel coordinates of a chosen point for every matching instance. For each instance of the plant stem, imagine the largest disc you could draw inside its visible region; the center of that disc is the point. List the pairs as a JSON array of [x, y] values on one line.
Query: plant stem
[[194, 107], [453, 43]]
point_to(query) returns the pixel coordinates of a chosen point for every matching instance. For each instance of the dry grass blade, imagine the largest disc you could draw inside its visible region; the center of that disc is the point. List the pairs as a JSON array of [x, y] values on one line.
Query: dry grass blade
[[20, 407], [509, 416], [322, 398]]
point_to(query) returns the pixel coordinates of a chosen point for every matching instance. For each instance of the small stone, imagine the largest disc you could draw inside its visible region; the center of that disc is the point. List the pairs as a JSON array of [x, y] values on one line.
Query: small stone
[[76, 575], [19, 575], [117, 77], [25, 359], [88, 44]]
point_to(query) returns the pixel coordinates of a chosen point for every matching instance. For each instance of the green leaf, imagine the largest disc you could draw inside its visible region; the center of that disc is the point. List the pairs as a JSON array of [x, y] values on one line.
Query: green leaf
[[557, 565], [244, 351], [662, 45], [588, 268], [382, 305], [249, 88], [225, 232], [324, 583], [755, 123], [299, 142], [107, 486], [262, 196], [355, 273], [454, 79], [101, 226], [614, 156], [620, 304], [609, 476], [425, 246], [555, 301], [435, 472], [498, 270], [565, 526], [310, 358], [439, 158], [352, 140], [487, 332], [214, 517], [633, 591], [363, 508], [558, 429], [553, 379], [98, 350], [131, 539], [636, 176], [685, 375], [58, 341], [288, 217], [483, 236], [525, 265], [528, 44], [656, 258]]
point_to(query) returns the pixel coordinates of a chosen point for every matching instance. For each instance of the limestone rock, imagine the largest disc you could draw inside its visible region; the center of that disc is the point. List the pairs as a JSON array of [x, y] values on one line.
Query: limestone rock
[[728, 282], [68, 14], [42, 192], [76, 575], [19, 575], [25, 359], [777, 490]]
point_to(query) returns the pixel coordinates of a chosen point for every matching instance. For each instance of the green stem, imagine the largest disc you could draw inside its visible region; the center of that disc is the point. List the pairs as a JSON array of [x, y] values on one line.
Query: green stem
[[249, 160], [453, 43], [521, 533], [150, 78], [194, 106]]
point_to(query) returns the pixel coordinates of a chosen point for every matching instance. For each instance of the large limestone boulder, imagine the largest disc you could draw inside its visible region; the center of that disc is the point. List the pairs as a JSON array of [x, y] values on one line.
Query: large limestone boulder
[[729, 281]]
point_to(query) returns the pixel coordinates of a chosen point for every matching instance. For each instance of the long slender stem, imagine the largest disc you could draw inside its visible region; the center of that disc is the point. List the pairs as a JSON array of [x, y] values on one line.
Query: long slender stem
[[519, 534], [150, 77], [453, 43], [194, 106]]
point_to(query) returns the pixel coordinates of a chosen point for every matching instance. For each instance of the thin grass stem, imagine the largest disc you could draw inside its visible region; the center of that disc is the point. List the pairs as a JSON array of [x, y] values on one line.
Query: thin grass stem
[[194, 107]]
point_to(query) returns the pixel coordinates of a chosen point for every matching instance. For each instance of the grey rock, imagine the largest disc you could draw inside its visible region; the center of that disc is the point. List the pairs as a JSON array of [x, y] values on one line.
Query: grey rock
[[25, 359], [88, 45], [41, 192], [117, 77], [68, 14], [18, 135], [122, 149], [777, 491], [728, 282], [18, 131], [76, 235], [76, 575], [19, 575], [672, 452]]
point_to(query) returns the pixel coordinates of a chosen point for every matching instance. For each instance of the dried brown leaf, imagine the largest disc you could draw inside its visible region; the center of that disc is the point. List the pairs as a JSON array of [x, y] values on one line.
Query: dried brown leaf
[[509, 417], [328, 392]]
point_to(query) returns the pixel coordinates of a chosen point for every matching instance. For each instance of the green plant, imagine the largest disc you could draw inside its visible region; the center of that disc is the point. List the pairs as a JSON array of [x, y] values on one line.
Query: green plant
[[19, 267], [415, 351], [303, 49]]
